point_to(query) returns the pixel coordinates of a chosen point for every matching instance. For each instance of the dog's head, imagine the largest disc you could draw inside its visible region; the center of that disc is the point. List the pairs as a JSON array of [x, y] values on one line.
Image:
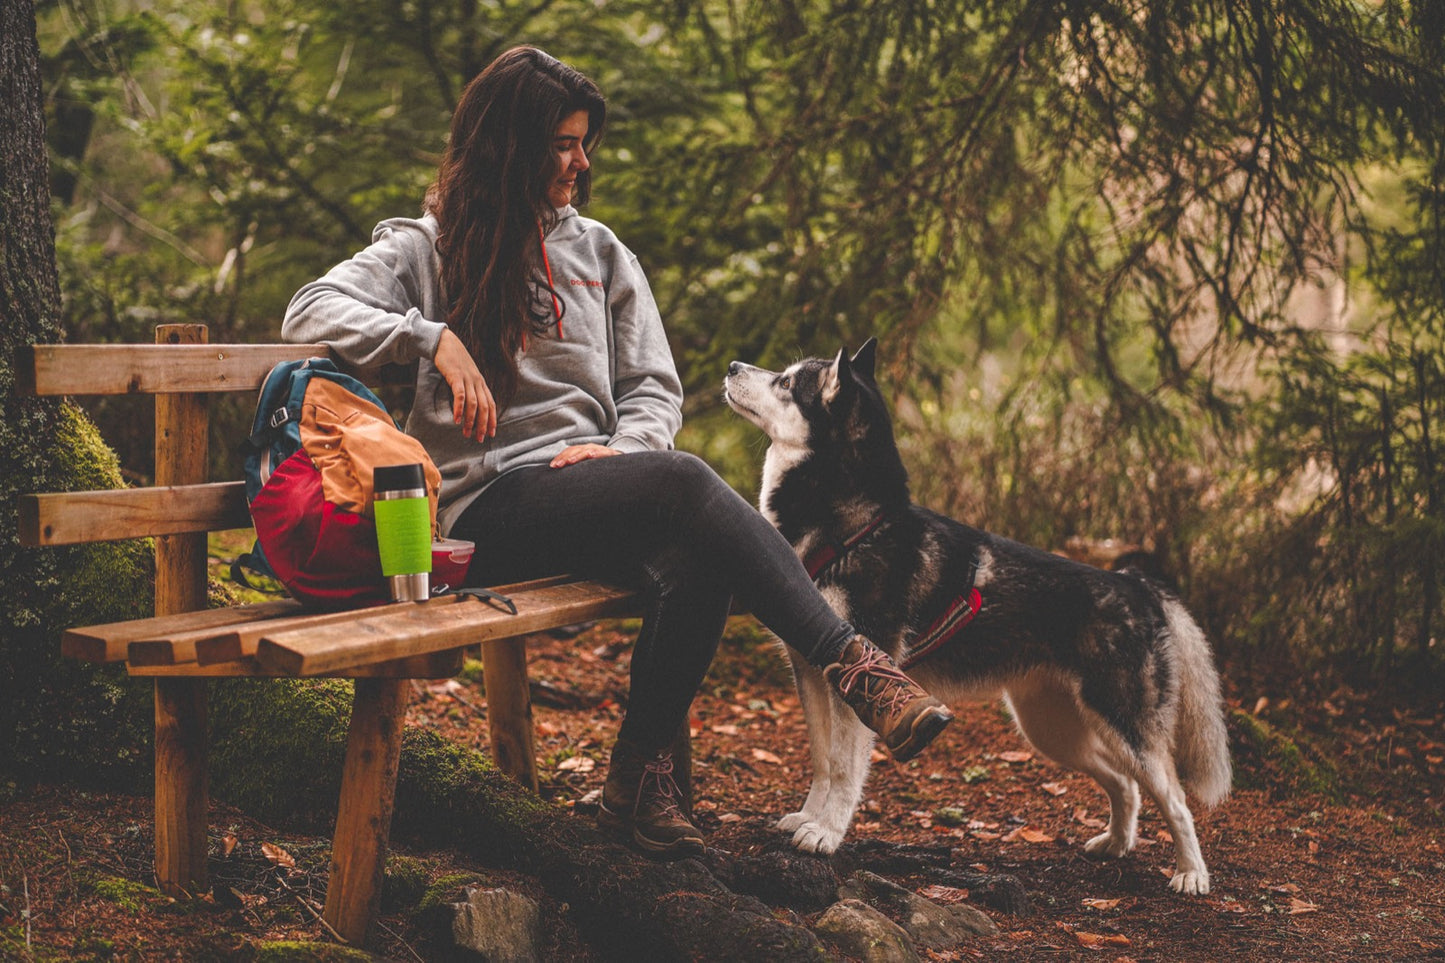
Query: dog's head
[[811, 405]]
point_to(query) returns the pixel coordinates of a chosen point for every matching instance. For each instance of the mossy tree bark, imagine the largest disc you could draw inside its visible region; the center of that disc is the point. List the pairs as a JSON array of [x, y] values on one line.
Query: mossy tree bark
[[47, 445]]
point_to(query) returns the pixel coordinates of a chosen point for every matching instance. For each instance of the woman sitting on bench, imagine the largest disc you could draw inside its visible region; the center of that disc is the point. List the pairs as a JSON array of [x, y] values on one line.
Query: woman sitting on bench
[[541, 359]]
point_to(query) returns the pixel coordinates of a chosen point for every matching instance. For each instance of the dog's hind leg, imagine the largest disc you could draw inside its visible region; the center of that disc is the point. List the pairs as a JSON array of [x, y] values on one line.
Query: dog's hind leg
[[1049, 715], [1161, 782], [840, 748]]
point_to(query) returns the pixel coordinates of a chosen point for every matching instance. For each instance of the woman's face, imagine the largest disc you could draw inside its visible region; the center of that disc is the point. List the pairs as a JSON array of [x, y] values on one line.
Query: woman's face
[[571, 158]]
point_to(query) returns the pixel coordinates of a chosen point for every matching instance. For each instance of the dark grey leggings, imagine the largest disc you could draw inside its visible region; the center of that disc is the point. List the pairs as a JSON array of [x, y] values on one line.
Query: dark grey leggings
[[664, 522]]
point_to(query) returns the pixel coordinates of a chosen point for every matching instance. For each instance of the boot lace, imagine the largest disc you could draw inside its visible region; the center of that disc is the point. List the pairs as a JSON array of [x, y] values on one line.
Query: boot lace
[[878, 681], [658, 786]]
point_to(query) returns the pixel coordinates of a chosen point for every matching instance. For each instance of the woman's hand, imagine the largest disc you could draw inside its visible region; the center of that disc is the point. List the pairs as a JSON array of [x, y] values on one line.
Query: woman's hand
[[572, 454], [472, 405]]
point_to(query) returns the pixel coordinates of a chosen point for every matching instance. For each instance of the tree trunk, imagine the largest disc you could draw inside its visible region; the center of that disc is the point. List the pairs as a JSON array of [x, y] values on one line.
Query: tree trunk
[[47, 445]]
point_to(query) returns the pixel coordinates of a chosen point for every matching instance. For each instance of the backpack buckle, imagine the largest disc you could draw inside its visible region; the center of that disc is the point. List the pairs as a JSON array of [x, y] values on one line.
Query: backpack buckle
[[278, 418]]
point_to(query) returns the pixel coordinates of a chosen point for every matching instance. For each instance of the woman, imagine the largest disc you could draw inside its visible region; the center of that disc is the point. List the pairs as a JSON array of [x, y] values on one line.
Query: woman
[[547, 396]]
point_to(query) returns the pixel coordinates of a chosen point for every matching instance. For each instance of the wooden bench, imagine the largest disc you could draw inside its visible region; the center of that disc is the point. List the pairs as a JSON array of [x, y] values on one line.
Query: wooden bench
[[185, 645]]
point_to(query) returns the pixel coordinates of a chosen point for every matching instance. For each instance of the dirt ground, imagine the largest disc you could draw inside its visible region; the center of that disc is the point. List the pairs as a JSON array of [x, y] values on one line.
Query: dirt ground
[[1332, 852]]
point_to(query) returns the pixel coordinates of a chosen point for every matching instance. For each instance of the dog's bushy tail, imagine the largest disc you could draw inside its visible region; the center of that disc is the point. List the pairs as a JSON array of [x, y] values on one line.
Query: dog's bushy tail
[[1201, 744]]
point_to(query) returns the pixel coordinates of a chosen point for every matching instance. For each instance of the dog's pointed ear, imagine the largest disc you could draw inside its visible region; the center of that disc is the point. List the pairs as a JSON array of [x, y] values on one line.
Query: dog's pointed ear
[[836, 376], [866, 359]]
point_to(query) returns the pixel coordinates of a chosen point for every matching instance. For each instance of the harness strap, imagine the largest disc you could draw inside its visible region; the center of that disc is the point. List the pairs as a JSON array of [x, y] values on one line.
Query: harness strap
[[823, 556], [959, 613]]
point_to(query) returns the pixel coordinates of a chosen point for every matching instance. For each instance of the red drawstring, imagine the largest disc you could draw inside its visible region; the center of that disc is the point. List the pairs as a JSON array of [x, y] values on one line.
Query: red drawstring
[[556, 305]]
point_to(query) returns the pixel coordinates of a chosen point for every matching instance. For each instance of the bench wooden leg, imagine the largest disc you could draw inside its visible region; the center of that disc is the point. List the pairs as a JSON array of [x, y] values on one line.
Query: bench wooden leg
[[181, 789], [368, 794], [509, 709]]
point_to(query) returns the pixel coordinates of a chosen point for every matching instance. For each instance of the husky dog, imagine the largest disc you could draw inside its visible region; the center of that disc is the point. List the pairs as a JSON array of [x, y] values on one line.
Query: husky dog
[[1104, 672]]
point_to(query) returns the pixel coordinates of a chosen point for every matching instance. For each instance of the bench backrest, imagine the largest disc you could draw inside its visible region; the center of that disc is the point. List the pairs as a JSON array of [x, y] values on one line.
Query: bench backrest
[[180, 375], [180, 370]]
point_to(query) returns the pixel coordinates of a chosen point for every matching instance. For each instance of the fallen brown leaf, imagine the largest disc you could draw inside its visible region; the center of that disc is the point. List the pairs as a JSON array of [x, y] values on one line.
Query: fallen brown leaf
[[1095, 940], [1102, 904], [944, 894], [763, 755], [278, 855], [1029, 834]]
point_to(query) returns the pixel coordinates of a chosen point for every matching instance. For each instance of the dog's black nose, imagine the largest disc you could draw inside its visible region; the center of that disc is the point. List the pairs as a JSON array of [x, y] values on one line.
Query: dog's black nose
[[734, 367]]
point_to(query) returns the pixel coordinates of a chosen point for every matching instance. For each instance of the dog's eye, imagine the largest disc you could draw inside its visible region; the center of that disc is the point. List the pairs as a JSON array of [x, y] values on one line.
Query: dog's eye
[[786, 382]]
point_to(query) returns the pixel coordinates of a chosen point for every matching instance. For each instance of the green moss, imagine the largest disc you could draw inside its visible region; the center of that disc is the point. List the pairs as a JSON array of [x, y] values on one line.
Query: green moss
[[403, 884], [70, 722], [83, 461], [471, 672], [445, 890], [13, 947], [278, 746], [1267, 758], [297, 951], [129, 895], [453, 795]]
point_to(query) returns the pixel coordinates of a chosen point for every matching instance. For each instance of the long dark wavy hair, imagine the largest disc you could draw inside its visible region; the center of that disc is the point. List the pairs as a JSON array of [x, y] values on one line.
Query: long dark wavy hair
[[490, 199]]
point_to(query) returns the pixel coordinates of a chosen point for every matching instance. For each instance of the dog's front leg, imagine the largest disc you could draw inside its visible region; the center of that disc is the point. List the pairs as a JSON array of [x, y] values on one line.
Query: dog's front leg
[[813, 694], [840, 747]]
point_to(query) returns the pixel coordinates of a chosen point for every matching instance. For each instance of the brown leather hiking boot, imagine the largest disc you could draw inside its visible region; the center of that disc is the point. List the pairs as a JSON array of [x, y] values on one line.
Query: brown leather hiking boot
[[886, 700], [642, 800]]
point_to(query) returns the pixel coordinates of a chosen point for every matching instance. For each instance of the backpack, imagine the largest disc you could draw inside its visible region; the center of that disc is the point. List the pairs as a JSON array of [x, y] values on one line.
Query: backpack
[[316, 439]]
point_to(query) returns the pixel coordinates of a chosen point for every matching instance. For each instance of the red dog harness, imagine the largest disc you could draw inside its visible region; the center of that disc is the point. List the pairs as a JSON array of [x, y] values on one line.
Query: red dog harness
[[959, 612]]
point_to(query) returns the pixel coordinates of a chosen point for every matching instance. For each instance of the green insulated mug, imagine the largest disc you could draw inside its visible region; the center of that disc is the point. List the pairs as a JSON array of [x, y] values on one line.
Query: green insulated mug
[[403, 530]]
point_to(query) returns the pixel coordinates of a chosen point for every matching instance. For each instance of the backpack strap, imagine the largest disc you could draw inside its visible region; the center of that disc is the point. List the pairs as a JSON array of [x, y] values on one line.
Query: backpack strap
[[261, 437], [256, 563]]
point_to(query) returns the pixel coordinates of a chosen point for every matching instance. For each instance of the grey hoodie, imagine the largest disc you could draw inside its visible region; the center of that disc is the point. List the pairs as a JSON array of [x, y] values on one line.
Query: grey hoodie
[[604, 375]]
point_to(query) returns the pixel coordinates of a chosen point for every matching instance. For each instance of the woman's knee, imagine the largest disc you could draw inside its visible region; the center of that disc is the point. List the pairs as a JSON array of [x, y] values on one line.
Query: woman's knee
[[683, 478]]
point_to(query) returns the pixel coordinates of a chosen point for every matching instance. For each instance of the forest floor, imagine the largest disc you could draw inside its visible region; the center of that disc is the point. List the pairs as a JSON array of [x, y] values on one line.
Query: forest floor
[[1332, 852]]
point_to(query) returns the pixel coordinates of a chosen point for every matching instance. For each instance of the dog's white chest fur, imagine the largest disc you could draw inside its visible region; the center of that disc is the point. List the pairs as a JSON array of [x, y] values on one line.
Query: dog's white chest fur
[[780, 459]]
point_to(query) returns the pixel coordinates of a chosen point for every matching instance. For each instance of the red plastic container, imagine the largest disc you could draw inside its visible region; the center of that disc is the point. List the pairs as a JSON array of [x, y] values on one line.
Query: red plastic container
[[450, 559]]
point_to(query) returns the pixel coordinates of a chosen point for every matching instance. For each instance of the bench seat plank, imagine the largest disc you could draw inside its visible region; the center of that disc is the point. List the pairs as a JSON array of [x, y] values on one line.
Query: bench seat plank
[[179, 648], [240, 641], [432, 665], [109, 642], [416, 629], [71, 518]]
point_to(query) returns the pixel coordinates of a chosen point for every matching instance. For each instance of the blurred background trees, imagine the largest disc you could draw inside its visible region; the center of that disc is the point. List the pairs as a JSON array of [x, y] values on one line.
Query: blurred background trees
[[1168, 274]]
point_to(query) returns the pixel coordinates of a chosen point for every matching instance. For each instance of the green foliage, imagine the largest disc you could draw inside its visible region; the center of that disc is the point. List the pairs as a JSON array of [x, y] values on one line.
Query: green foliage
[[1106, 245], [1267, 758]]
